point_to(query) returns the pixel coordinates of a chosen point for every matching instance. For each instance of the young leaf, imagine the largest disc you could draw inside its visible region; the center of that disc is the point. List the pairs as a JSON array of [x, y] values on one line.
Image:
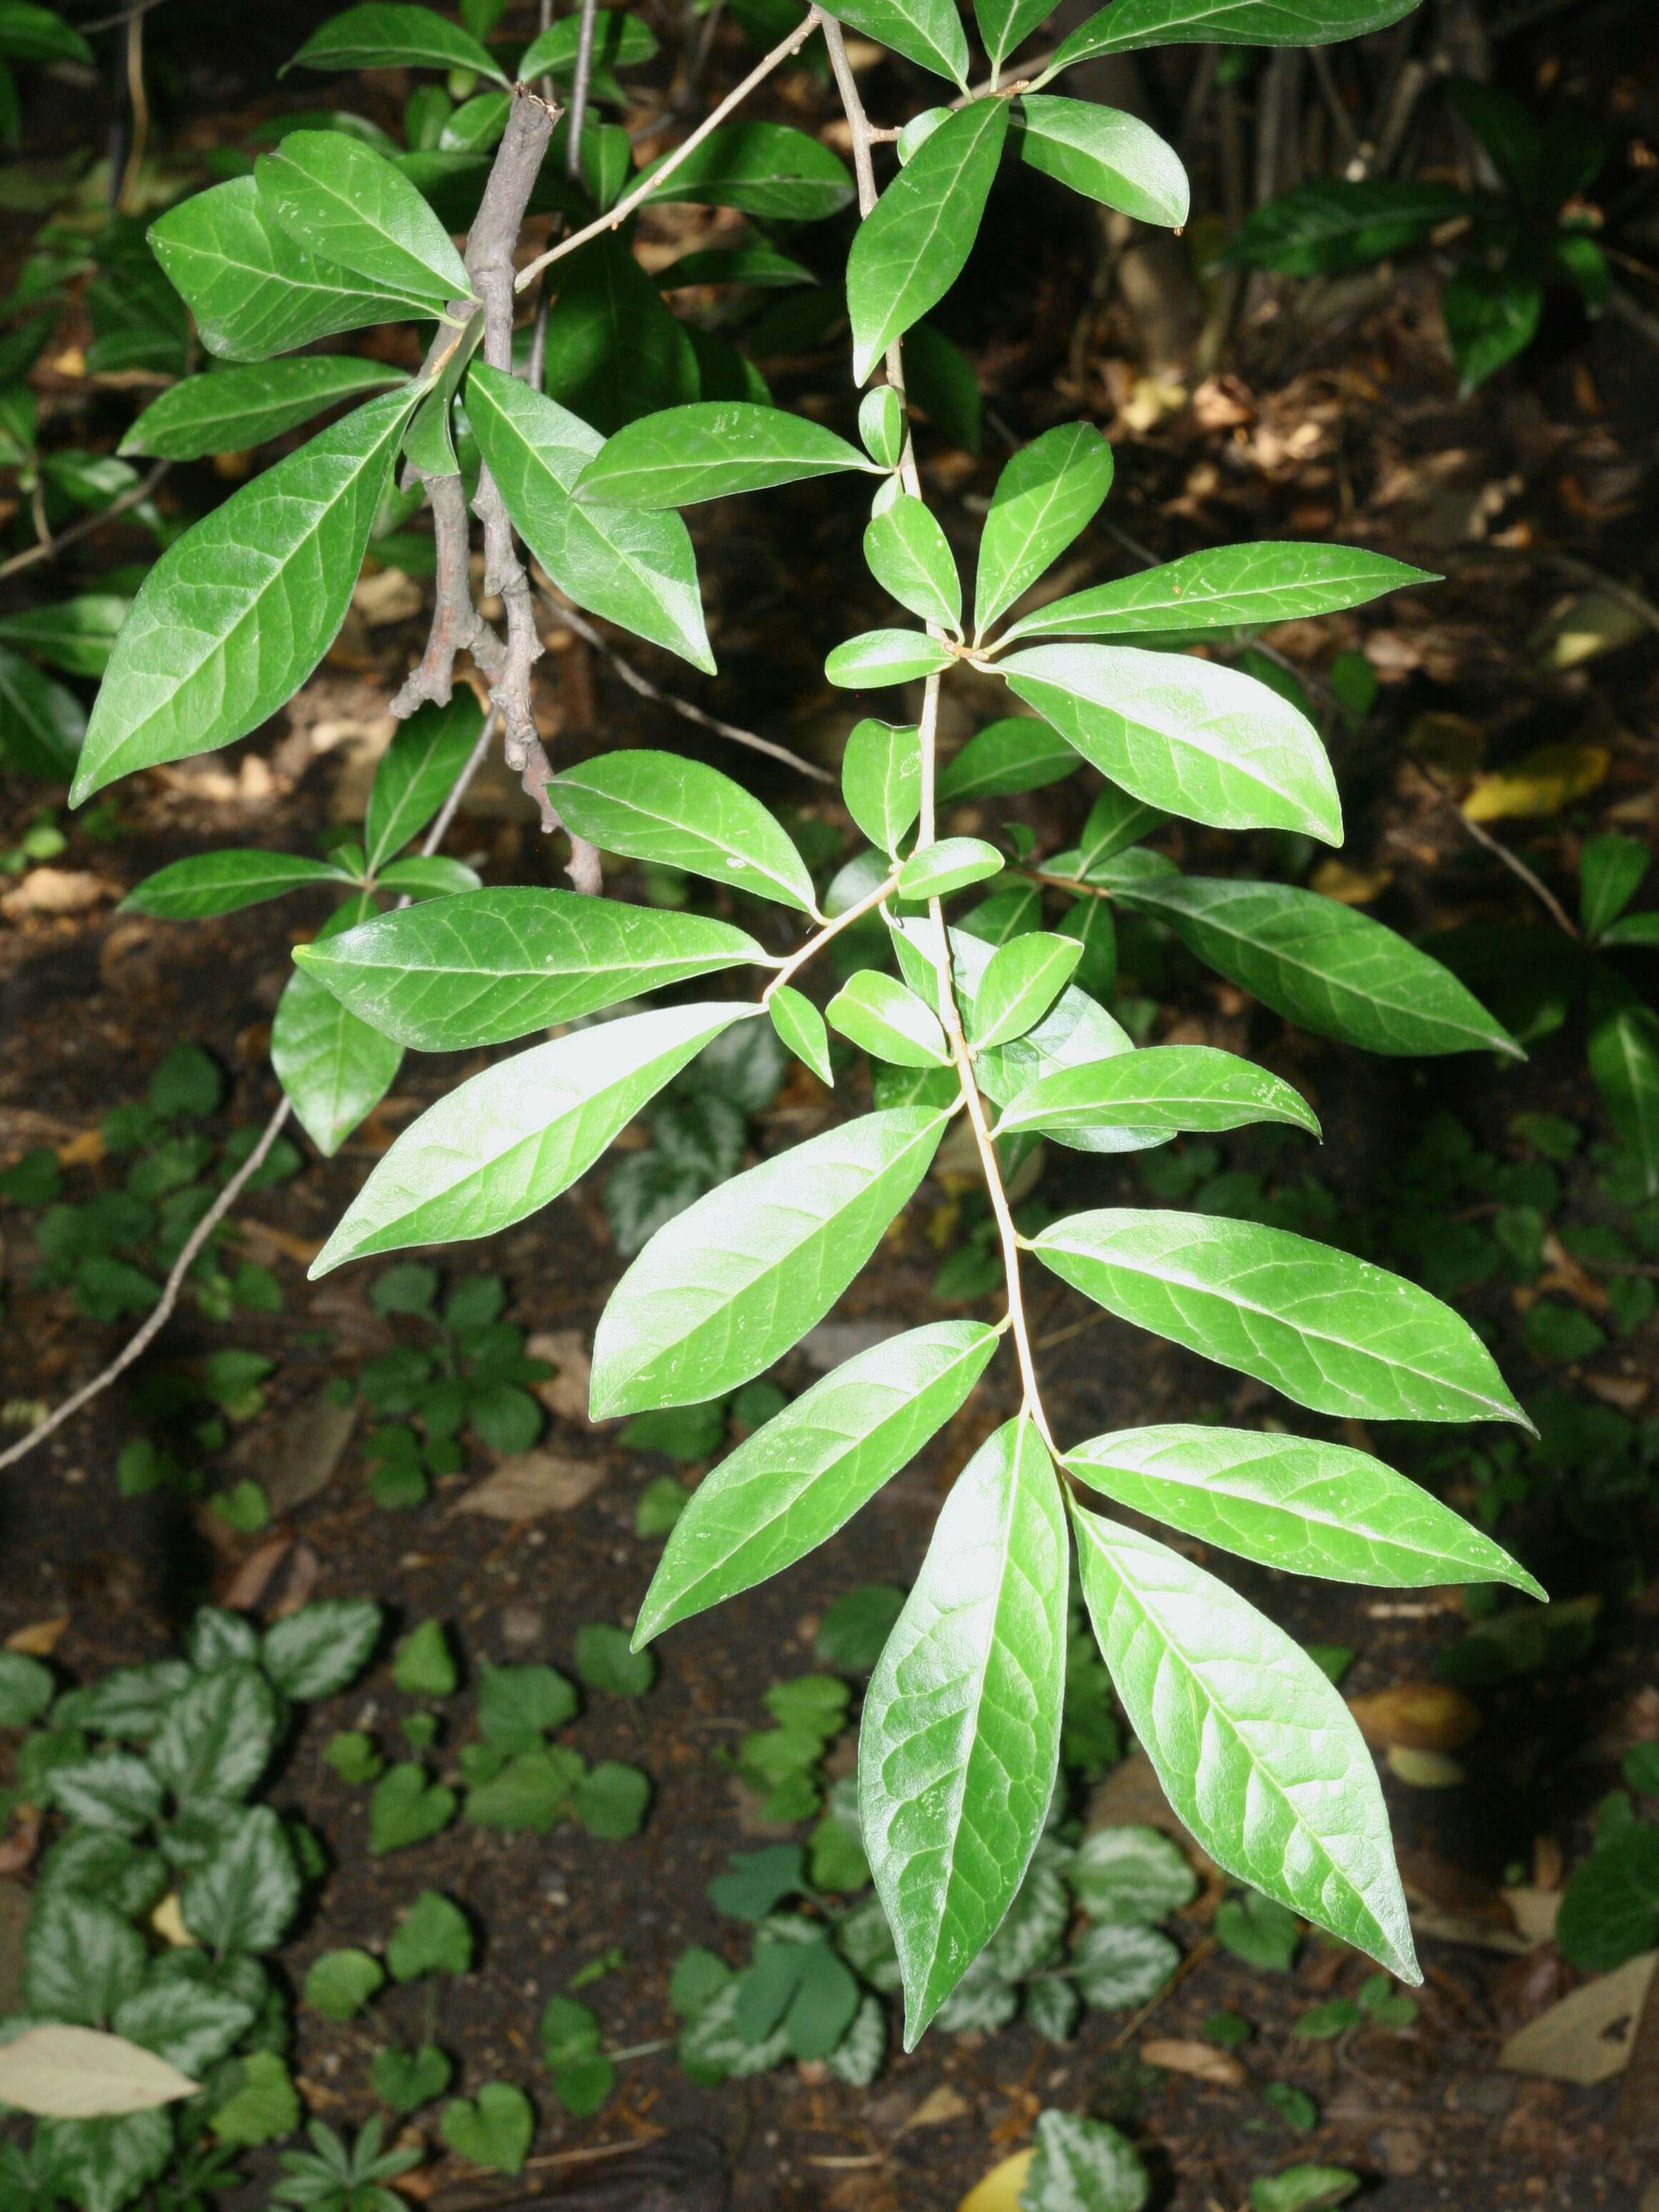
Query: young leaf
[[926, 31], [224, 883], [708, 451], [881, 781], [510, 1139], [1168, 1088], [910, 249], [801, 1028], [252, 290], [1331, 1332], [1049, 492], [1187, 735], [683, 814], [1115, 822], [232, 410], [1254, 1747], [947, 865], [1323, 965], [417, 774], [1610, 872], [1133, 23], [885, 656], [881, 425], [1314, 1508], [1224, 585], [236, 614], [728, 1285], [332, 194], [884, 1018], [632, 567], [492, 965], [766, 169], [1022, 982], [909, 556], [385, 35], [792, 1485], [960, 1739], [1106, 155]]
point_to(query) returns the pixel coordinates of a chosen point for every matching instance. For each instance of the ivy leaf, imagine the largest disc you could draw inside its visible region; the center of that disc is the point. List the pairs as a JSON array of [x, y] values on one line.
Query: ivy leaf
[[1325, 966], [802, 1476], [507, 1141], [881, 781], [681, 813], [908, 555], [417, 774], [1331, 1332], [225, 882], [383, 35], [236, 614], [1023, 981], [492, 965], [766, 169], [234, 409], [960, 1740], [333, 1066], [876, 657], [1045, 497], [317, 1651], [1312, 1508], [1129, 24], [1106, 155], [910, 249], [885, 1017], [1254, 1747], [246, 1891], [728, 1285], [1188, 737], [926, 31], [1016, 753], [632, 568], [708, 451], [1223, 585], [329, 192], [1162, 1088]]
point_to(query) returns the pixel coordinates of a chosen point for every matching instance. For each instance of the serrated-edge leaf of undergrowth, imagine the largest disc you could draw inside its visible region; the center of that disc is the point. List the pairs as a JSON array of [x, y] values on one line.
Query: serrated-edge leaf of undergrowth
[[792, 1485], [727, 1286], [960, 1740], [1254, 1747]]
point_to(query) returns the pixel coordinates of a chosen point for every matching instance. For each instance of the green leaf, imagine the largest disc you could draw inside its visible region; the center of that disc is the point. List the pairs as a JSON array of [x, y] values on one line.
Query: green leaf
[[101, 2164], [681, 813], [1130, 24], [386, 36], [333, 1066], [518, 1705], [424, 1663], [532, 1791], [1083, 2165], [1624, 1058], [41, 724], [1254, 1747], [216, 1736], [254, 291], [1189, 737], [1106, 155], [1331, 1332], [614, 351], [1046, 496], [317, 1651], [1229, 584], [434, 1938], [1333, 226], [406, 2080], [117, 1791], [1610, 872], [1006, 24], [507, 1141], [81, 1960], [224, 883], [28, 33], [492, 965], [189, 2024], [265, 2107], [632, 568], [766, 169], [234, 409], [1131, 1876], [331, 193], [927, 32], [709, 450], [1302, 2188], [881, 781], [948, 864], [606, 1660], [1490, 316], [434, 876], [960, 1740], [883, 1017], [417, 774], [728, 1285], [1610, 1908], [407, 1808], [1018, 753], [1325, 966], [339, 1983], [908, 555], [1254, 1928], [494, 2130], [1164, 1088], [881, 425], [1312, 1508], [885, 656], [27, 1688], [1024, 978], [77, 635], [910, 249], [611, 1799], [245, 1892], [236, 614]]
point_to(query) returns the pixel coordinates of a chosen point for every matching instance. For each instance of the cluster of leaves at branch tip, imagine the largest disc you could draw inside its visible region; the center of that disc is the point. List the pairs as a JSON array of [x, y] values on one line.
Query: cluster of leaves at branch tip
[[985, 1014]]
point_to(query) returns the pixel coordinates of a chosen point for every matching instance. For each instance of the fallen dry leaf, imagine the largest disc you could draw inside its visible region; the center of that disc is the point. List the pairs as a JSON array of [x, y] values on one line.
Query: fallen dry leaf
[[169, 1923], [1335, 879], [64, 2072], [536, 1482], [1422, 1715], [1541, 783], [388, 596], [1202, 2060], [311, 1445], [1534, 1910], [938, 2108], [1000, 2191], [1423, 1769], [1586, 2036], [54, 890], [41, 1638], [564, 1394], [1583, 627]]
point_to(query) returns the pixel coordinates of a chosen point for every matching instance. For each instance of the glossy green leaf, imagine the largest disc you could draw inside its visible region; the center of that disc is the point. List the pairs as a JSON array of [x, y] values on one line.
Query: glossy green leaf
[[1106, 155], [1223, 585], [1254, 1747], [728, 1285], [1491, 315], [909, 556], [1115, 823], [1187, 736], [336, 197], [478, 124], [236, 614], [1624, 1058], [385, 35], [881, 425], [1021, 984], [792, 1485], [614, 351], [926, 31], [1641, 929], [1017, 753], [418, 772], [507, 1141], [708, 452], [911, 247], [1006, 24], [230, 410], [877, 657], [883, 1017], [429, 876], [881, 781], [634, 568], [1046, 495], [1168, 1088], [76, 635], [620, 40], [766, 169], [1331, 1332], [41, 724], [429, 440], [752, 262], [960, 1739], [1323, 965], [801, 1028], [480, 969], [1128, 24], [1089, 921], [1610, 872], [947, 865], [1332, 226], [680, 813], [1312, 1508], [225, 881], [252, 290], [333, 1066]]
